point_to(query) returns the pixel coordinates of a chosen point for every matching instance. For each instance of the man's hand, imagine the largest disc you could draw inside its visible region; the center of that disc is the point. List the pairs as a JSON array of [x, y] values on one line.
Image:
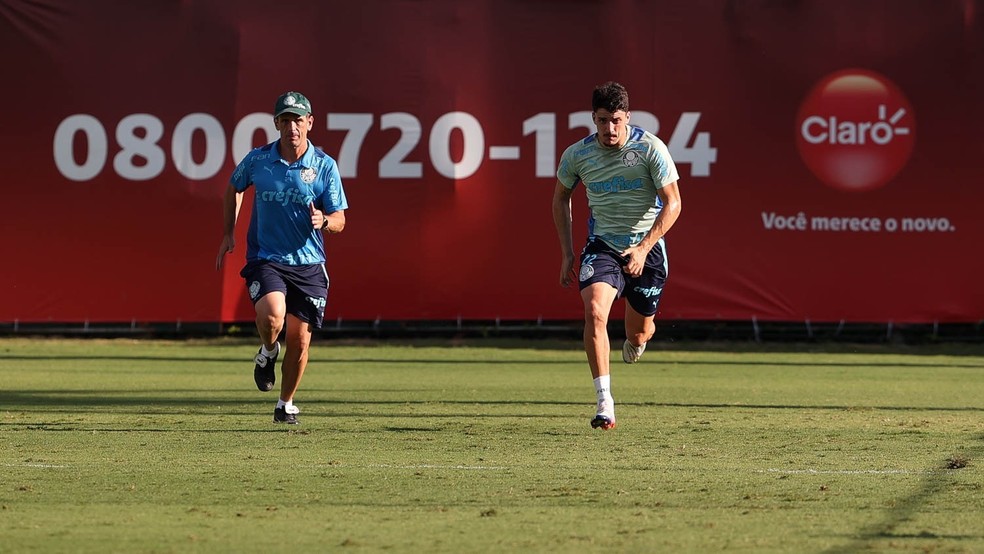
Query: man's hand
[[317, 217], [227, 246], [567, 275], [635, 260]]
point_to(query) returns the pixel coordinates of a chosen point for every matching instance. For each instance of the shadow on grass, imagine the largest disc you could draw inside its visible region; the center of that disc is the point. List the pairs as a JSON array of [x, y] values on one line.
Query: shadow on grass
[[652, 360], [184, 400], [75, 428], [868, 539], [248, 360]]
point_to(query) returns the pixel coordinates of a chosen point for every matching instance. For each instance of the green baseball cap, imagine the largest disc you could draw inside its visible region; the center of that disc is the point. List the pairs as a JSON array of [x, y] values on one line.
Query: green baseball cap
[[292, 102]]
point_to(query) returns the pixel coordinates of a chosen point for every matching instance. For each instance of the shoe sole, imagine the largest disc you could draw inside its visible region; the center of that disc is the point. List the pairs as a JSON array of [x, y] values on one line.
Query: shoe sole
[[625, 355], [603, 423], [263, 384], [265, 378]]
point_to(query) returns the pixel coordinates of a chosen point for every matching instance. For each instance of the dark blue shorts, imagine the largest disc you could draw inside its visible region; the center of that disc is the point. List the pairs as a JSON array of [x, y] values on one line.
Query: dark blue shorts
[[601, 263], [305, 286]]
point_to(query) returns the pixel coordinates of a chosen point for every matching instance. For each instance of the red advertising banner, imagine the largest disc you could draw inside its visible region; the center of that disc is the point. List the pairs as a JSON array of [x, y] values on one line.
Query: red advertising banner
[[829, 152]]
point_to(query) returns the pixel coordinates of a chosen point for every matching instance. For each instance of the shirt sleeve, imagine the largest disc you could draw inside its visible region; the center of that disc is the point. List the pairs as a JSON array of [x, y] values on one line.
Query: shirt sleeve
[[661, 166], [333, 198], [566, 173], [242, 177]]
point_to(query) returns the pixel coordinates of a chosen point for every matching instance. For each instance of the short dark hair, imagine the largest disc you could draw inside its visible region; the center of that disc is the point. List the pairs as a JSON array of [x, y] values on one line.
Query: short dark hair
[[611, 96]]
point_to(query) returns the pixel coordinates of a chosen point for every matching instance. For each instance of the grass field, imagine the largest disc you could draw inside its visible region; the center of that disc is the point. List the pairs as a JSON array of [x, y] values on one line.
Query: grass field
[[156, 446]]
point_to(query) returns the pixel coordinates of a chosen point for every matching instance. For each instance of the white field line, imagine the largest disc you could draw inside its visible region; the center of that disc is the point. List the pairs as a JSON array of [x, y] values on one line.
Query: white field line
[[384, 466], [844, 471], [436, 466], [804, 471]]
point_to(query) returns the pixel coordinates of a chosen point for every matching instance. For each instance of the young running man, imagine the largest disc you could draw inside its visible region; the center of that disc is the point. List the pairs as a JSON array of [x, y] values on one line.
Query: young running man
[[631, 185]]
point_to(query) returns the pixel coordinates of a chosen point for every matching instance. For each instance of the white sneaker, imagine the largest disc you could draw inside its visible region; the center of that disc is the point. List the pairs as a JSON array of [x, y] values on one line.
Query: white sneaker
[[605, 418], [631, 353]]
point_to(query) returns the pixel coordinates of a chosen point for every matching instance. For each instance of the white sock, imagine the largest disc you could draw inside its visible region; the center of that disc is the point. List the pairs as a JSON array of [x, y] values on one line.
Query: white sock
[[288, 406], [603, 387], [270, 353]]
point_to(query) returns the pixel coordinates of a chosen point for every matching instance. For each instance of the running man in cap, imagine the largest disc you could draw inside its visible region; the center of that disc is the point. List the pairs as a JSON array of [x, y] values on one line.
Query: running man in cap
[[298, 197]]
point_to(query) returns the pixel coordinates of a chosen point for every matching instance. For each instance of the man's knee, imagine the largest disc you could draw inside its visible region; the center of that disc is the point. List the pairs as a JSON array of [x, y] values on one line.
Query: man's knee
[[597, 304], [596, 314]]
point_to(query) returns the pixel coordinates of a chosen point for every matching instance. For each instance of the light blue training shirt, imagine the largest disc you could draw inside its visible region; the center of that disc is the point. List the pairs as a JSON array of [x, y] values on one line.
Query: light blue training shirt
[[280, 229], [620, 184]]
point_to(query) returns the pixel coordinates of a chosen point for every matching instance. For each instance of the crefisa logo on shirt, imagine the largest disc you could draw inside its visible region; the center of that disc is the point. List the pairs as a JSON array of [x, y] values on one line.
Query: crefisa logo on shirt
[[855, 130]]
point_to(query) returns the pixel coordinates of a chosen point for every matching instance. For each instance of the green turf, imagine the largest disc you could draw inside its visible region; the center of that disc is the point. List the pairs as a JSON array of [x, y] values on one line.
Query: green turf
[[156, 446]]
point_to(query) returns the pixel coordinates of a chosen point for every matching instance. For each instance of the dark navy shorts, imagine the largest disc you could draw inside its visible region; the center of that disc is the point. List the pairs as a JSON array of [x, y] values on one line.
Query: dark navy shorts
[[601, 263], [305, 286]]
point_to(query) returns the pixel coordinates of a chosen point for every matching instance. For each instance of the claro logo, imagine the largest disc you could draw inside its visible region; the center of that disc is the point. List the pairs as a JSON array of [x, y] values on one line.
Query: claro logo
[[855, 130]]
